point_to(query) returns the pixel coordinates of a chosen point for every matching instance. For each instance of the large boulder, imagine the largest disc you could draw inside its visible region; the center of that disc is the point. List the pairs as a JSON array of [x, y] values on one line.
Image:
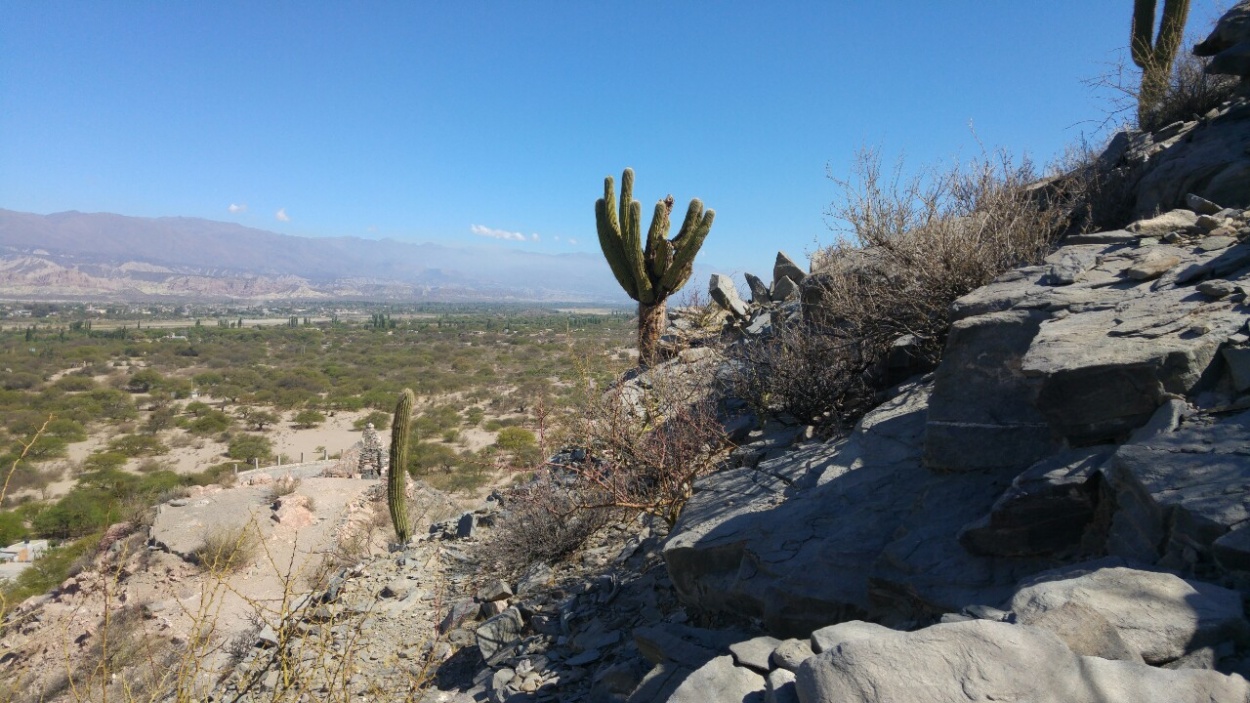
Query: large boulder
[[1033, 363], [840, 531], [986, 661], [1160, 615], [1229, 43], [1183, 497]]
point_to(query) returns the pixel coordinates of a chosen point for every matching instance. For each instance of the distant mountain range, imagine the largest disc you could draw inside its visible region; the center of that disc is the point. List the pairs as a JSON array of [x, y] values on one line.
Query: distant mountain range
[[76, 255]]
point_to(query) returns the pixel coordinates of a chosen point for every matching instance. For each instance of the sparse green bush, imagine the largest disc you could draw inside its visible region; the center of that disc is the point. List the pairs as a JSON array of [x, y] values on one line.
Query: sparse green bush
[[227, 550], [249, 447], [381, 421], [515, 439], [309, 418], [134, 445]]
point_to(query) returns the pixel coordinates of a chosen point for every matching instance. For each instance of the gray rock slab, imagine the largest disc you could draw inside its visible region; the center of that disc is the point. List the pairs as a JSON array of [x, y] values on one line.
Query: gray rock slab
[[720, 680], [779, 687], [791, 653], [1177, 494], [690, 647], [754, 653], [983, 412], [499, 632], [784, 289], [827, 638], [725, 293], [1159, 615], [982, 661], [865, 528], [1048, 508], [1103, 373], [1162, 224], [1084, 630]]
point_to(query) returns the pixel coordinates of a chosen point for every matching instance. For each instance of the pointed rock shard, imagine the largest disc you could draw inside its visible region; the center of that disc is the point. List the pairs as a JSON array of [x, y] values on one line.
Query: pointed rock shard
[[786, 268], [725, 293]]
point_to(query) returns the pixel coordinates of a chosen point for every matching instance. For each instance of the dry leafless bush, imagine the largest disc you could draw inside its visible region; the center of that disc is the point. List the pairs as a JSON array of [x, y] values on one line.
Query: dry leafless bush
[[910, 247], [544, 521], [227, 550], [648, 449]]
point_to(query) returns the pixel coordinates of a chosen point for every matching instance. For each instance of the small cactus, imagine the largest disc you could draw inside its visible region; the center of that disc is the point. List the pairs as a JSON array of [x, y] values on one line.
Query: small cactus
[[397, 474], [649, 272]]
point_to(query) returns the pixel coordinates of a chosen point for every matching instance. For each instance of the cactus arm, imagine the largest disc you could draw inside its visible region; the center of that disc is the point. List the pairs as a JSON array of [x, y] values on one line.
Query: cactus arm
[[655, 235], [686, 249], [693, 213], [1171, 32], [1141, 31], [610, 243], [397, 474], [631, 244]]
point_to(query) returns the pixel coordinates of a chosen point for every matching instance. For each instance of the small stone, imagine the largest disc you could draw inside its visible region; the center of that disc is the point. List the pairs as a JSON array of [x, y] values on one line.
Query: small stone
[[1152, 266], [586, 657], [1217, 288], [791, 653], [784, 289], [779, 688], [1216, 243], [491, 608], [754, 653], [1201, 205], [1207, 223], [494, 590]]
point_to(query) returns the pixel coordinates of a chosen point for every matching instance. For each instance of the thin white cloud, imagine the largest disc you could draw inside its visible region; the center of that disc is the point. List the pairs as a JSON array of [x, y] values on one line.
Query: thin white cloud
[[281, 215], [534, 237], [236, 208], [572, 241], [483, 231]]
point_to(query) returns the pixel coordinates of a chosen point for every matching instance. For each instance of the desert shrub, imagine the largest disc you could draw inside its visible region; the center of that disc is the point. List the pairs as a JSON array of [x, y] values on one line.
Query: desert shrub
[[222, 474], [12, 527], [381, 421], [911, 247], [283, 486], [210, 422], [80, 512], [646, 448], [134, 445], [309, 418], [74, 383], [515, 439], [226, 550], [249, 447], [98, 461], [427, 457], [544, 521]]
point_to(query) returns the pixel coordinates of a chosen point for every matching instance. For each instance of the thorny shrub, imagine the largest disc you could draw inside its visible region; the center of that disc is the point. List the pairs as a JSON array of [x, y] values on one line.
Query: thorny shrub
[[909, 249], [643, 444]]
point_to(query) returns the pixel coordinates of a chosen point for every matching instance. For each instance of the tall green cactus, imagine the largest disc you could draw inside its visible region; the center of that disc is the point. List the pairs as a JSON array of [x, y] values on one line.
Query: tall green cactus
[[648, 272], [1155, 58], [397, 474]]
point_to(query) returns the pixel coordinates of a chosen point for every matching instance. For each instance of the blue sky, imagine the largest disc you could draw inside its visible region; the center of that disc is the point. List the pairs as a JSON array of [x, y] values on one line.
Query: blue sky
[[463, 122]]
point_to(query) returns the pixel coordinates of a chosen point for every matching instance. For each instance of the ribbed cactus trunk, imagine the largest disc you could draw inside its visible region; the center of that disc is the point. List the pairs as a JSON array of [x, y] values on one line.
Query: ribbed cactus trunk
[[652, 319], [1154, 56], [397, 473]]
